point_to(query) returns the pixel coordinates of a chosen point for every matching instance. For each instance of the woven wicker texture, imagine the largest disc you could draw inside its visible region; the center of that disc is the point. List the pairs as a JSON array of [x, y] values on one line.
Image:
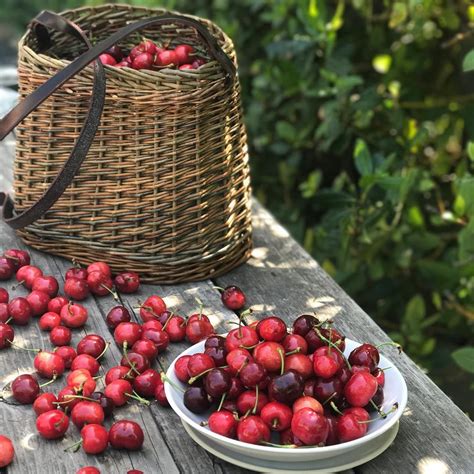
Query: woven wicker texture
[[165, 188]]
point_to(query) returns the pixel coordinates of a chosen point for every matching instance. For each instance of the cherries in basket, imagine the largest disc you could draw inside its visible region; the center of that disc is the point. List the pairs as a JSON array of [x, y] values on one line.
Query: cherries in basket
[[148, 55], [262, 378]]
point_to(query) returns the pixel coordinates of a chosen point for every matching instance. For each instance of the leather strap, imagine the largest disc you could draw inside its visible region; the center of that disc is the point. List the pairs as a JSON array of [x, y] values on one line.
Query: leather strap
[[84, 141]]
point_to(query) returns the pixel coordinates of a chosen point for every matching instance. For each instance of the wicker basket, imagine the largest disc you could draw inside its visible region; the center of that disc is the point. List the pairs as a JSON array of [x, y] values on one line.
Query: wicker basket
[[164, 190]]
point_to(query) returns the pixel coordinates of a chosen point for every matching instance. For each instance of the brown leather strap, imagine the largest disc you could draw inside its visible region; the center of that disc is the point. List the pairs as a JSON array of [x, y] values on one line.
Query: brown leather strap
[[30, 103]]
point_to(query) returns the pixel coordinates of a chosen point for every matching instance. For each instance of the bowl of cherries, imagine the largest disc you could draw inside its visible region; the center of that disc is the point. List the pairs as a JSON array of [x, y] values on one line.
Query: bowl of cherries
[[269, 393]]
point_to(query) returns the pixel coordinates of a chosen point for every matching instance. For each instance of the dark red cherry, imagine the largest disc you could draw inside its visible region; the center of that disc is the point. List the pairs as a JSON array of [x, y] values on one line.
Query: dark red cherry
[[252, 374], [25, 389], [195, 399], [4, 296], [217, 382], [176, 328], [68, 354], [126, 434], [91, 344], [60, 336], [214, 341], [365, 355], [286, 388], [7, 268], [147, 348], [38, 301], [76, 288], [136, 360], [76, 272], [159, 337], [20, 310], [19, 258], [106, 403], [49, 321], [127, 282], [117, 315], [47, 284], [99, 283], [377, 399], [145, 384], [233, 298], [288, 438], [7, 334], [218, 354], [247, 401], [325, 389], [304, 323], [4, 313], [295, 342], [379, 375]]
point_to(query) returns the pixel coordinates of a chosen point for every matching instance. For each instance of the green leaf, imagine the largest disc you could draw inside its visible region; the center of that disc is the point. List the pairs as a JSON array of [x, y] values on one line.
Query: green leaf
[[285, 130], [362, 157], [466, 241], [415, 310], [464, 357], [470, 150], [398, 14], [468, 63], [382, 63], [466, 191]]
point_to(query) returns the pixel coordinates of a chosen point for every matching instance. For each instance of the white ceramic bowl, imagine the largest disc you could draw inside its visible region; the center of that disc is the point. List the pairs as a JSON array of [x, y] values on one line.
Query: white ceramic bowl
[[395, 391]]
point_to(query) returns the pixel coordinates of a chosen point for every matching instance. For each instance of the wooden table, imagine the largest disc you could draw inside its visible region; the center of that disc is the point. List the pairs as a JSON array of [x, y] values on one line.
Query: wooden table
[[281, 278]]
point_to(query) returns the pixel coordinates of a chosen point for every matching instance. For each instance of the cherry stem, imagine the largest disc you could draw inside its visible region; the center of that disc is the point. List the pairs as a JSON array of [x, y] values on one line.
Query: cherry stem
[[391, 343], [249, 347], [244, 363], [256, 400], [329, 398], [112, 292], [275, 423], [382, 414], [11, 257], [295, 351], [385, 368], [167, 321], [8, 320], [74, 447], [107, 344], [318, 332], [201, 306], [22, 348], [164, 378], [69, 397], [125, 354], [289, 446], [222, 401], [218, 288], [137, 397], [282, 361], [198, 376], [334, 407]]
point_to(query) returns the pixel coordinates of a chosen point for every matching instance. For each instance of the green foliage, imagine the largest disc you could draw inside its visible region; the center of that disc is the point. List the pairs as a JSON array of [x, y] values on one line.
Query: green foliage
[[464, 357], [361, 120]]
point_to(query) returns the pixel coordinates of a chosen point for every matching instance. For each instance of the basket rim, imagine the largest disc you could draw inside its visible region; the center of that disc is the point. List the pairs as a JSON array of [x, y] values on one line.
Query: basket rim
[[210, 68]]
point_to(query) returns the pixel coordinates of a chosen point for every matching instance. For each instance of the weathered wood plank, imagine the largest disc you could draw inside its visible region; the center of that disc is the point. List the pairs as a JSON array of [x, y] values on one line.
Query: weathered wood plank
[[281, 278]]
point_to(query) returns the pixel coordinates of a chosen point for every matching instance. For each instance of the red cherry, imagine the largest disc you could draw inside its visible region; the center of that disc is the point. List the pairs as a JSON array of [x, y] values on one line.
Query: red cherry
[[307, 402], [310, 427], [198, 329], [147, 46], [123, 63], [7, 268], [101, 267], [379, 375], [76, 272], [47, 284], [105, 402], [118, 372], [95, 437], [237, 359], [199, 363], [272, 329], [166, 58], [67, 354], [49, 321], [145, 347], [253, 430], [295, 342], [181, 368], [287, 437], [365, 355], [344, 374], [67, 398], [126, 434], [253, 374], [119, 391], [218, 354], [143, 61], [19, 258], [7, 335], [52, 424], [325, 389], [160, 395], [116, 52], [159, 338], [360, 389], [236, 388], [327, 361], [55, 305], [25, 389], [359, 368], [7, 451], [242, 336], [332, 435], [4, 296], [76, 288], [74, 315], [348, 427], [99, 283], [299, 363], [277, 416], [185, 67], [246, 401], [86, 412], [117, 315], [20, 310], [85, 361], [269, 355], [232, 296], [88, 470], [28, 274], [145, 384], [38, 301], [49, 364], [152, 308], [230, 405], [127, 282], [138, 361], [107, 59], [182, 52], [60, 336], [152, 324], [4, 313], [176, 328], [224, 423], [92, 344], [78, 377]]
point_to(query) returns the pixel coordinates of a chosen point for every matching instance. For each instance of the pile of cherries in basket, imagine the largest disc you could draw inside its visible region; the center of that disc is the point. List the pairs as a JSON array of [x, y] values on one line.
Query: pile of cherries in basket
[[299, 384], [147, 55]]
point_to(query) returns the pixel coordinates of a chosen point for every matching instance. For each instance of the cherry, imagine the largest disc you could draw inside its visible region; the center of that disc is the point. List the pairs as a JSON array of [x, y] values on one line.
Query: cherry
[[49, 364], [230, 405], [288, 438], [243, 336], [7, 268], [166, 58], [237, 359], [199, 363], [47, 284], [327, 361], [360, 389], [253, 374], [55, 305], [310, 427], [224, 423], [295, 342], [86, 412], [7, 451], [344, 374], [52, 424], [126, 334], [20, 310], [117, 315], [232, 296], [277, 416], [105, 402], [379, 375], [67, 398], [49, 321], [185, 67], [93, 345], [28, 274], [60, 336], [147, 46], [309, 387], [4, 313], [304, 323], [77, 377], [377, 400], [7, 335], [253, 430], [286, 388], [95, 437], [85, 361], [348, 426], [38, 301], [75, 272], [359, 368], [101, 267], [198, 62], [270, 355], [198, 329], [272, 329], [4, 296], [217, 382], [20, 258], [195, 399], [99, 283], [67, 354], [332, 434], [143, 61], [118, 372], [176, 328], [88, 470], [137, 361], [162, 319], [214, 341], [76, 288], [365, 355], [116, 52], [248, 401], [152, 308], [126, 434], [218, 354], [325, 389], [146, 348], [74, 315], [236, 388], [299, 363], [158, 337], [127, 282], [153, 324], [107, 59], [160, 394], [181, 368], [307, 402], [120, 391], [25, 389], [145, 384], [182, 52]]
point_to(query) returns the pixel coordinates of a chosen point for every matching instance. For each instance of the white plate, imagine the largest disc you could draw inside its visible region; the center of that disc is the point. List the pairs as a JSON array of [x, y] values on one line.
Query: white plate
[[324, 466]]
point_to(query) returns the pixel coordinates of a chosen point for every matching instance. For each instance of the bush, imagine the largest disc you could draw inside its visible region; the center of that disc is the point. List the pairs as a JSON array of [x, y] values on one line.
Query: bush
[[359, 118]]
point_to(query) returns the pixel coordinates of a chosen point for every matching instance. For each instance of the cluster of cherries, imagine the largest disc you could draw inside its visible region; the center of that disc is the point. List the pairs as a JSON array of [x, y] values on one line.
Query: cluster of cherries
[[299, 384], [147, 55]]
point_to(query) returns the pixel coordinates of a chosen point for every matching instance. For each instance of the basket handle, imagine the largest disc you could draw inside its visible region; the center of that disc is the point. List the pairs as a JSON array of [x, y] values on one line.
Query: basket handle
[[84, 141]]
